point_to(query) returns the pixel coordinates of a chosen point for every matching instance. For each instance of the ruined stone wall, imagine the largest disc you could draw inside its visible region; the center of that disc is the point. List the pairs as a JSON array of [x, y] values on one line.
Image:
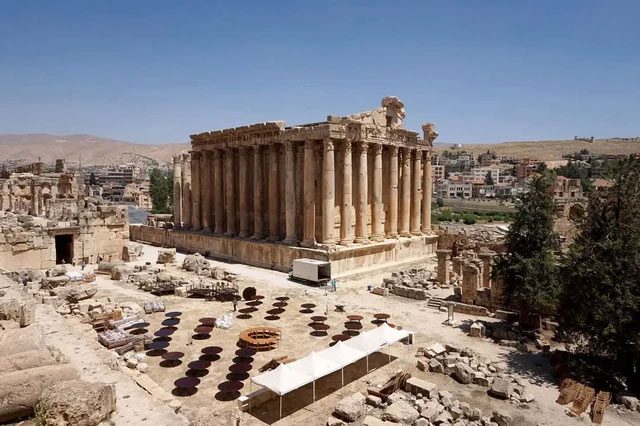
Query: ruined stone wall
[[29, 242]]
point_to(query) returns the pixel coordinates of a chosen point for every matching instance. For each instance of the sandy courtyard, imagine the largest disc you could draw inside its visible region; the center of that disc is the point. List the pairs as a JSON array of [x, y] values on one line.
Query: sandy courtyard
[[214, 399]]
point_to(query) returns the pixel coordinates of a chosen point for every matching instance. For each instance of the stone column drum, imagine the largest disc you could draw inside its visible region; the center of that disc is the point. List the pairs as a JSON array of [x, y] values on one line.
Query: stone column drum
[[427, 192], [393, 192], [346, 235], [309, 228], [443, 266], [290, 195], [328, 191], [243, 191], [376, 217], [230, 191], [487, 262], [274, 194], [177, 191], [416, 193], [205, 191], [361, 207], [406, 193], [196, 222], [218, 192], [258, 202], [186, 190]]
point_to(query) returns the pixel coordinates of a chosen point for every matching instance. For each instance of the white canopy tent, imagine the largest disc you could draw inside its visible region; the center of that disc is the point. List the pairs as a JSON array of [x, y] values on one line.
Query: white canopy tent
[[288, 377]]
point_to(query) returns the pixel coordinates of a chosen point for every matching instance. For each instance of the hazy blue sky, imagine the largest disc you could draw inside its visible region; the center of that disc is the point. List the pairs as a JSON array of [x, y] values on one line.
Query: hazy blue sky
[[157, 71]]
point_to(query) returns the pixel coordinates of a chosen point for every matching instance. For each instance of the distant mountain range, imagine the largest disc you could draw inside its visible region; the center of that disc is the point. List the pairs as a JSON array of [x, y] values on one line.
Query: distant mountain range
[[94, 150], [88, 149]]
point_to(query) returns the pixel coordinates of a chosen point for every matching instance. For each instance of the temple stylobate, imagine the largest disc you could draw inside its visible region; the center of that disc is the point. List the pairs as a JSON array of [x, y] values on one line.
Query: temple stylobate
[[353, 190]]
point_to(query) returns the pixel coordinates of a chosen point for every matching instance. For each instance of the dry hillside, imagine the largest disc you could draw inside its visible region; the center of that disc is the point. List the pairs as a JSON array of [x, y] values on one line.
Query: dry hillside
[[103, 151], [91, 149], [551, 150]]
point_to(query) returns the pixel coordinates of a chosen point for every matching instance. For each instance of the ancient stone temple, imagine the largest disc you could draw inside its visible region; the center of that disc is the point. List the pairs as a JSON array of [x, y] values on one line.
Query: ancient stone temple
[[353, 190]]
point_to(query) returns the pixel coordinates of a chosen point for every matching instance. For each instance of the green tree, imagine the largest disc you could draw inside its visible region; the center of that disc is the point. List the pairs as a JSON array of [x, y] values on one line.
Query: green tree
[[601, 273], [528, 267], [488, 179], [161, 191]]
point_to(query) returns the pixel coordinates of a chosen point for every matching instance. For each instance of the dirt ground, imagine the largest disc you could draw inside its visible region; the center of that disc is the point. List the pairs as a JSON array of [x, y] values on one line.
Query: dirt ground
[[213, 400]]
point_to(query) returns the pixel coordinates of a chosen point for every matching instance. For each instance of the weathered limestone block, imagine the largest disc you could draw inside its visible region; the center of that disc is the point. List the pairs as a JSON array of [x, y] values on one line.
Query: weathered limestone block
[[107, 267], [350, 408], [463, 373], [196, 263], [166, 256], [121, 272], [21, 311], [16, 340], [418, 386], [25, 360], [501, 388], [401, 412], [75, 293], [21, 390], [53, 282]]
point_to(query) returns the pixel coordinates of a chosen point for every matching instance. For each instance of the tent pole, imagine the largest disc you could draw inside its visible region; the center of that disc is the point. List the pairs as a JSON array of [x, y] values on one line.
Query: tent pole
[[342, 375], [389, 353], [314, 391], [280, 406], [367, 364]]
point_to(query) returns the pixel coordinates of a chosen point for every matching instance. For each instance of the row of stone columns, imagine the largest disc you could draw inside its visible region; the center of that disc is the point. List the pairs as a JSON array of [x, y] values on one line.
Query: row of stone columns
[[211, 206]]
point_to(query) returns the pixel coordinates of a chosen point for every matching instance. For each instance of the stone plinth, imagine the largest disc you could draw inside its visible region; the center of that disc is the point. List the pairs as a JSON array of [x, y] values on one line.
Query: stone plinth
[[472, 281], [443, 266], [345, 261]]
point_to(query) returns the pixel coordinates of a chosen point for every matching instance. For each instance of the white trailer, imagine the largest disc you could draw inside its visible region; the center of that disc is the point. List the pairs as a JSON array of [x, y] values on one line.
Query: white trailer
[[311, 270]]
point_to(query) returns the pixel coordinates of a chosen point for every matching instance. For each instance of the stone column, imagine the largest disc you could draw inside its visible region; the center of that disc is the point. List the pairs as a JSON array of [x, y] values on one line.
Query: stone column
[[377, 230], [458, 265], [443, 266], [361, 206], [258, 218], [416, 193], [196, 216], [186, 190], [487, 263], [205, 190], [243, 191], [290, 194], [177, 191], [328, 193], [470, 282], [405, 198], [393, 192], [274, 194], [230, 192], [218, 191], [309, 228], [427, 191], [346, 234]]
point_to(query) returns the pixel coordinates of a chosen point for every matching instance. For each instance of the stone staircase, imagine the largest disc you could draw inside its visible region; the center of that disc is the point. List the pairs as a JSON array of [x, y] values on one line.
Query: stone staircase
[[435, 302]]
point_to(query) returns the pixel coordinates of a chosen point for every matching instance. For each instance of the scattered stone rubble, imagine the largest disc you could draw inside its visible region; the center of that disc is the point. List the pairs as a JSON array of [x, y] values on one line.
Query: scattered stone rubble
[[467, 367], [419, 404], [412, 283], [36, 378]]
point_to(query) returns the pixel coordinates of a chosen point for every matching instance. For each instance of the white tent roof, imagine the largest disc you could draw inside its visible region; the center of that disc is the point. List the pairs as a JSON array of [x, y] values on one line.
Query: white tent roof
[[283, 379], [316, 364], [343, 354], [288, 377]]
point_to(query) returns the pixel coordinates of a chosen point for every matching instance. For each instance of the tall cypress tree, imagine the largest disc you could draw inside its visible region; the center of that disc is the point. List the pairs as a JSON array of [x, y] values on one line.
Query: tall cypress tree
[[528, 267], [601, 272]]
